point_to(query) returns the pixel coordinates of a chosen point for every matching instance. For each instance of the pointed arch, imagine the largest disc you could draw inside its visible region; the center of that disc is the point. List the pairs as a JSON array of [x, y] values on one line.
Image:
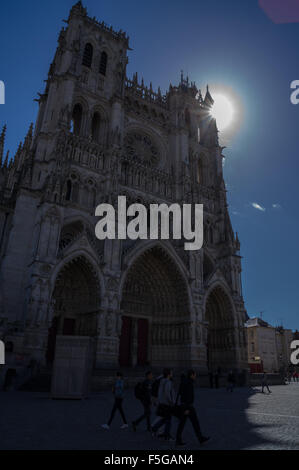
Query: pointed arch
[[155, 301], [221, 320]]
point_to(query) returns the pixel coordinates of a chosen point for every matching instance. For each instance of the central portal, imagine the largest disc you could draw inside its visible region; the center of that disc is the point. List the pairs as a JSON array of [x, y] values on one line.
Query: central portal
[[155, 307]]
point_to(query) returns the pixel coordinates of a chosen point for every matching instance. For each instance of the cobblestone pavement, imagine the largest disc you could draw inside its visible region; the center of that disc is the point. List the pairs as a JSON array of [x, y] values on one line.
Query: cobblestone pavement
[[244, 419]]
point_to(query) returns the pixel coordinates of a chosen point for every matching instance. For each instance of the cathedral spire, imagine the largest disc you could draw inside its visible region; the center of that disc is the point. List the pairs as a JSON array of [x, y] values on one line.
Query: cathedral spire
[[78, 8], [5, 164], [208, 98]]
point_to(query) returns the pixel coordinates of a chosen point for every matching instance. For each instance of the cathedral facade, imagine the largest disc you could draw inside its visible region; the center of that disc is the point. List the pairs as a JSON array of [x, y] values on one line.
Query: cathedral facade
[[99, 135]]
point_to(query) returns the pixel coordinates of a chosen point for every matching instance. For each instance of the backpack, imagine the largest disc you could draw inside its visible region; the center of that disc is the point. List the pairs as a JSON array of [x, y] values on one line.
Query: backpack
[[155, 387], [139, 391]]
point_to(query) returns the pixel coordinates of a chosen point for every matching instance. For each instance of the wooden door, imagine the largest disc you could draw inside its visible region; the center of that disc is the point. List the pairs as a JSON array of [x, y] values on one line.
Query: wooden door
[[125, 342], [142, 352]]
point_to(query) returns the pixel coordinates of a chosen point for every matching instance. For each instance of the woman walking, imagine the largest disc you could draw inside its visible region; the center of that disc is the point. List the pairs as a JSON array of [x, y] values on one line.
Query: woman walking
[[118, 390]]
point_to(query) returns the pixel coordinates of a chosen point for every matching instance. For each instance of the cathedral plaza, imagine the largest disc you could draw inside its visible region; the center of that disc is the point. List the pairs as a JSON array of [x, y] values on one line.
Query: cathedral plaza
[[244, 419], [148, 221]]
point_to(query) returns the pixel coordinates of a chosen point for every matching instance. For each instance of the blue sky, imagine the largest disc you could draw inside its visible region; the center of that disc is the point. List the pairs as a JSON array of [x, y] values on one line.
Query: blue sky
[[230, 43]]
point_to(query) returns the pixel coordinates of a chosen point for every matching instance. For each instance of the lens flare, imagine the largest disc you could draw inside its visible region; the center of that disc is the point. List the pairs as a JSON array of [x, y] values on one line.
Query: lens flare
[[222, 111]]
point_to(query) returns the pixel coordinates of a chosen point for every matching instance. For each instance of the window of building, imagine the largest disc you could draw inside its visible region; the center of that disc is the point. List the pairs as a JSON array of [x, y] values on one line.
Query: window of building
[[87, 56], [76, 120], [103, 63], [95, 127], [68, 190]]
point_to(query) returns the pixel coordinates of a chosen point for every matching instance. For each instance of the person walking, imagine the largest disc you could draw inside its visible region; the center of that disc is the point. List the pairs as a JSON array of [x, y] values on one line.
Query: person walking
[[118, 391], [186, 396], [230, 381], [265, 383], [146, 400], [155, 402], [166, 402]]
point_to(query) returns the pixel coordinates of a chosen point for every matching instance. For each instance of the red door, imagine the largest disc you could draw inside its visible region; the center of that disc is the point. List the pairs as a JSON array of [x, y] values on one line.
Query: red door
[[125, 342], [142, 358], [69, 326]]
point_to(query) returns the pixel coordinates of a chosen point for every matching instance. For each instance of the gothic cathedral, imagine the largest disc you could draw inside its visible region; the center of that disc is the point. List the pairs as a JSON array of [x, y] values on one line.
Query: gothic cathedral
[[99, 135]]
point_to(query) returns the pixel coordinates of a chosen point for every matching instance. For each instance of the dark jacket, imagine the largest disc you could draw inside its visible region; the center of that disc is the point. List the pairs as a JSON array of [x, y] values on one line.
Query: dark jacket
[[147, 388], [186, 391]]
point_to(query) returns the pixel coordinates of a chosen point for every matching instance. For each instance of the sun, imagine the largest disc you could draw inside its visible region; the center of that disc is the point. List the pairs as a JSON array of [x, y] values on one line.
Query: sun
[[222, 111]]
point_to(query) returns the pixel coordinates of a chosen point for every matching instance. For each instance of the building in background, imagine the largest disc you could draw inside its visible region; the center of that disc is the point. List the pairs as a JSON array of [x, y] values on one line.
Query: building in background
[[268, 346]]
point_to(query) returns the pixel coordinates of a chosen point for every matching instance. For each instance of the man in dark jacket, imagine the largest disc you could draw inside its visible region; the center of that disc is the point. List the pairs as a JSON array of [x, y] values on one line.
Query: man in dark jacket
[[186, 395], [146, 402]]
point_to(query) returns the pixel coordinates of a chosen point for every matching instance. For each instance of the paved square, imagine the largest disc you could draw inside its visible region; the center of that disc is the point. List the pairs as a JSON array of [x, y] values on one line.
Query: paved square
[[244, 419]]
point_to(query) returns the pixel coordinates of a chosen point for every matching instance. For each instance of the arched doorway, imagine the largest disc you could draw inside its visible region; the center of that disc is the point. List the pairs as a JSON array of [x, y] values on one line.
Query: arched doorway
[[156, 318], [221, 347], [76, 298]]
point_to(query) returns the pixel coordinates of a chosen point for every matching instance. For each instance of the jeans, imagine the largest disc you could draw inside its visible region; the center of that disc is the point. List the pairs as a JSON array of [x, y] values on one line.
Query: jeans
[[146, 415], [194, 421], [117, 406], [159, 424]]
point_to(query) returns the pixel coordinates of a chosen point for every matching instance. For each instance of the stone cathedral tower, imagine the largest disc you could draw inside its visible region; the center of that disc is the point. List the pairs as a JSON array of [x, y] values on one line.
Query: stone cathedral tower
[[99, 135]]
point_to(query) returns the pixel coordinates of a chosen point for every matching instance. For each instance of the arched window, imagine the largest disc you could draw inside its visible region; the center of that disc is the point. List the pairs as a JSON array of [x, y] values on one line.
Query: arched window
[[95, 127], [68, 190], [76, 121], [87, 56], [103, 63]]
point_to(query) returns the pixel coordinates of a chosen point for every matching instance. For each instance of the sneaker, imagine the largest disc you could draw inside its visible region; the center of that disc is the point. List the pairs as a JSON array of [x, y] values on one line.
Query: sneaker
[[204, 439], [106, 426], [134, 426], [124, 426]]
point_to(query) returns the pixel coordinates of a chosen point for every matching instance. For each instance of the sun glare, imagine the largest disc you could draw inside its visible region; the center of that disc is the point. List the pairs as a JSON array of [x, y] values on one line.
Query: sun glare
[[222, 111]]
